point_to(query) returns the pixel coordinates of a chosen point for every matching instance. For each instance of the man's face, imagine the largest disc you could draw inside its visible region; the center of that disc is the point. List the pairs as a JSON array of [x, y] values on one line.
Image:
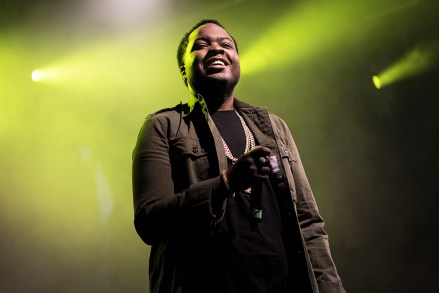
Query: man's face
[[211, 58]]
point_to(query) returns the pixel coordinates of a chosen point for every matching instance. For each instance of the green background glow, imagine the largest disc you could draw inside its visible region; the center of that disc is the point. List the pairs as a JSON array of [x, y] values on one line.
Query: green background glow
[[66, 141]]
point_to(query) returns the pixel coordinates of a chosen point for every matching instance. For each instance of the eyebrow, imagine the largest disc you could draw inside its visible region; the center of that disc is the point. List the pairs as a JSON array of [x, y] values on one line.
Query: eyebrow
[[219, 39]]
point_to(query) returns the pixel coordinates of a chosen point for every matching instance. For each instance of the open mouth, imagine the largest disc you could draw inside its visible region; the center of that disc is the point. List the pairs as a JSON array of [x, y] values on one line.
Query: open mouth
[[215, 63]]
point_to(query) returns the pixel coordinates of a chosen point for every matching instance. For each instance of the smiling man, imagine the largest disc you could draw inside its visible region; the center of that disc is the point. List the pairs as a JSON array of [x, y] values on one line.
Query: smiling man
[[220, 192]]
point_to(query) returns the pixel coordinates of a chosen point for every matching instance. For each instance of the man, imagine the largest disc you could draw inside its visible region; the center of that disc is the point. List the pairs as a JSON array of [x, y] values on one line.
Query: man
[[220, 193]]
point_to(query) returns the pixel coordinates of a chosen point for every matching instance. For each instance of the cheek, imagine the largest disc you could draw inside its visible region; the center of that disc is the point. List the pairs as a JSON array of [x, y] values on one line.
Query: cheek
[[236, 65], [196, 63], [190, 59], [234, 58]]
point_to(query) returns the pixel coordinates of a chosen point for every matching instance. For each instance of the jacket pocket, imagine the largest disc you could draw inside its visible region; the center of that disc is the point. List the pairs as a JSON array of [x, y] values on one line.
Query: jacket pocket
[[189, 159]]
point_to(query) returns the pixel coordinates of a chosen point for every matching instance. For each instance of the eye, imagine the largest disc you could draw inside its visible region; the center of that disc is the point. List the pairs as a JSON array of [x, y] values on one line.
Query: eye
[[200, 45], [226, 45]]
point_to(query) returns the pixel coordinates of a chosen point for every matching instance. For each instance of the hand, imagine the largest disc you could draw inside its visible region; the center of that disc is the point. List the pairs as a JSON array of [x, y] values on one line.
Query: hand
[[250, 167]]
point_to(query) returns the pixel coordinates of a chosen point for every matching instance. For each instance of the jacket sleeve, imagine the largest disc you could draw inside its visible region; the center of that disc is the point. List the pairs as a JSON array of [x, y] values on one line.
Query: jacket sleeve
[[160, 213], [310, 221]]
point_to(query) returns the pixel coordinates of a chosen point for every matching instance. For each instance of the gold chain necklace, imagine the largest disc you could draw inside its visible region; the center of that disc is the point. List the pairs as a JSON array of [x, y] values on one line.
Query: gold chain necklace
[[249, 141], [249, 144]]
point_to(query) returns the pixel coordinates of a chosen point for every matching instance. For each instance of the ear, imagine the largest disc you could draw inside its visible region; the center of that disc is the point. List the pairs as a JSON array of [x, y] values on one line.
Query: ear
[[183, 74]]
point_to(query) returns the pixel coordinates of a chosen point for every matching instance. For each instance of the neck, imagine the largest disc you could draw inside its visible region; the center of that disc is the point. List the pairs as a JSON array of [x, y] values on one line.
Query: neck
[[217, 100], [219, 103]]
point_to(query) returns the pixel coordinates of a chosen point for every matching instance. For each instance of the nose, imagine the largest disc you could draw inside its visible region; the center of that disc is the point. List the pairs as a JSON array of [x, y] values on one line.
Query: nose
[[215, 47]]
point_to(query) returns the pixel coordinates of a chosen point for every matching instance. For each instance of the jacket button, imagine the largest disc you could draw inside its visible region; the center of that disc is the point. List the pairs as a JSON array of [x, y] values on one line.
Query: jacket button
[[195, 149]]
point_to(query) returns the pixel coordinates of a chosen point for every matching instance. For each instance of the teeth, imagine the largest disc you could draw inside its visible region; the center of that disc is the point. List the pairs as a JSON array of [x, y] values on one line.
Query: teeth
[[218, 62]]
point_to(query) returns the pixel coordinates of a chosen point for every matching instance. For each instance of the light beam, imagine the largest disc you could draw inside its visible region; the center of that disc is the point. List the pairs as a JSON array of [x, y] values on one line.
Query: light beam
[[416, 61]]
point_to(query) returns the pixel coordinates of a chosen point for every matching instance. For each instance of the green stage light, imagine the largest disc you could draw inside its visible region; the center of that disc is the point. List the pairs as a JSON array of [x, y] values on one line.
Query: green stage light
[[45, 75], [312, 28], [418, 60], [307, 29], [376, 81], [37, 75]]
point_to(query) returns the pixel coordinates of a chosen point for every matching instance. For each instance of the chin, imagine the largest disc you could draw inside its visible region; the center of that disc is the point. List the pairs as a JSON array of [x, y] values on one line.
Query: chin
[[223, 78], [216, 80]]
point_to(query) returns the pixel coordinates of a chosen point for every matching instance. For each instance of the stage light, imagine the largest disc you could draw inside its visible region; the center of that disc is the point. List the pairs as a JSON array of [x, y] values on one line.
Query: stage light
[[376, 81], [418, 60], [45, 75], [311, 28], [37, 75]]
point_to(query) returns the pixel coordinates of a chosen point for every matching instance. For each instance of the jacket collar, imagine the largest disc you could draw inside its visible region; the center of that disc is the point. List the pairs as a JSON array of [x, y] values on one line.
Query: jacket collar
[[194, 102], [258, 116], [239, 105]]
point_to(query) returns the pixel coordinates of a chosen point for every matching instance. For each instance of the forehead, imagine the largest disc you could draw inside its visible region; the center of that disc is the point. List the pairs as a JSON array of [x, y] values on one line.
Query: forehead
[[208, 31]]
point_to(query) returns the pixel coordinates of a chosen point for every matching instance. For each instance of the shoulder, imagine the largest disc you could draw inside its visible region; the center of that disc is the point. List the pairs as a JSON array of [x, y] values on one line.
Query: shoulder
[[160, 120], [166, 115], [275, 118], [278, 123], [260, 110], [177, 110]]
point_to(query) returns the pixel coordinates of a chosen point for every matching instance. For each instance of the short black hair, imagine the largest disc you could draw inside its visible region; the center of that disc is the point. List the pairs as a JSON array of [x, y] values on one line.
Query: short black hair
[[185, 40]]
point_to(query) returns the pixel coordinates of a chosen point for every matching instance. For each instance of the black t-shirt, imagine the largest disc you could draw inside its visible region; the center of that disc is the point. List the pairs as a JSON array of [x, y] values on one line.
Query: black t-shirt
[[244, 256]]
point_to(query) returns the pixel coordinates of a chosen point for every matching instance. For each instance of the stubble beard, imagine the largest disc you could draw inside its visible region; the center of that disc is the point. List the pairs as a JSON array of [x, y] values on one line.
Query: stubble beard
[[215, 87]]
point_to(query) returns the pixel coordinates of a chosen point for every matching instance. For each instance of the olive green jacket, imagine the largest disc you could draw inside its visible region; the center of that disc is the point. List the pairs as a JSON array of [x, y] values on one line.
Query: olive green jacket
[[178, 152]]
